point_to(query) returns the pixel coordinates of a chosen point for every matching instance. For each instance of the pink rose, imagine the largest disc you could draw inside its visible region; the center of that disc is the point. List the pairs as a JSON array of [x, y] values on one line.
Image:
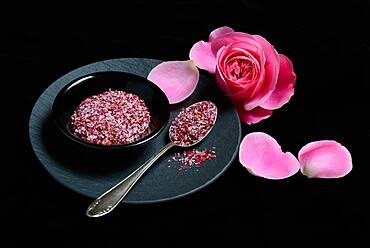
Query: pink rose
[[249, 70]]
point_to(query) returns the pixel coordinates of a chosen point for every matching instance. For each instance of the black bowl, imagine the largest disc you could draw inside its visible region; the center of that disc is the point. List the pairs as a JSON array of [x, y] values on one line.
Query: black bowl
[[76, 91]]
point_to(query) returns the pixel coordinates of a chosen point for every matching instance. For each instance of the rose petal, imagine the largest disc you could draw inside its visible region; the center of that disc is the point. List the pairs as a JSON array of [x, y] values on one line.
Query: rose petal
[[202, 54], [325, 159], [262, 156], [253, 116], [271, 54], [229, 38], [264, 89], [219, 32], [284, 89], [177, 79], [221, 81], [203, 57]]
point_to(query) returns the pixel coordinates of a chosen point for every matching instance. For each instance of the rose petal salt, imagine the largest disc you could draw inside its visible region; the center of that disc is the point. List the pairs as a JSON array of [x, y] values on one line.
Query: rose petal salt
[[193, 123], [111, 118], [192, 158]]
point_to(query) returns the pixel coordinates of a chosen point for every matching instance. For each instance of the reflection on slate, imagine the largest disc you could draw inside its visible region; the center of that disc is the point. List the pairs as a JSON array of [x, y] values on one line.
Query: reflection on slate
[[91, 172]]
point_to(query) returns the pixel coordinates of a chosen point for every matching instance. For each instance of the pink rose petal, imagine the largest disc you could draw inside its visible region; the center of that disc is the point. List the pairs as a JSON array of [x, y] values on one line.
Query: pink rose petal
[[177, 79], [203, 57], [262, 156], [284, 89], [271, 54], [230, 38], [253, 116], [221, 81], [325, 159], [264, 90], [218, 32], [201, 52]]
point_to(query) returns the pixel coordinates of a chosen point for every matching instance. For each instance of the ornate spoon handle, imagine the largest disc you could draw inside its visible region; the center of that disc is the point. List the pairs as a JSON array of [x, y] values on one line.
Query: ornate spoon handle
[[110, 199]]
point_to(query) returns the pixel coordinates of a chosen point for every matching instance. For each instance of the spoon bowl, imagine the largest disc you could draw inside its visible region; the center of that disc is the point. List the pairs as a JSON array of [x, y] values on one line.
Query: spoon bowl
[[193, 124]]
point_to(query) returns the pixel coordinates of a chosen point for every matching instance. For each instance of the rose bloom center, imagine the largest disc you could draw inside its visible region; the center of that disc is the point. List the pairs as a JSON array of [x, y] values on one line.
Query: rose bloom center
[[242, 67]]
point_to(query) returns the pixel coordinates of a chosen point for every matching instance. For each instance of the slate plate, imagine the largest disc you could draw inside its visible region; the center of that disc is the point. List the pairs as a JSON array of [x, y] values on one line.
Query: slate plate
[[91, 172]]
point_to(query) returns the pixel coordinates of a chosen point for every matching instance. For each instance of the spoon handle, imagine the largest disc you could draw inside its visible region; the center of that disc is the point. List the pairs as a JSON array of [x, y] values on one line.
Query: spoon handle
[[110, 199]]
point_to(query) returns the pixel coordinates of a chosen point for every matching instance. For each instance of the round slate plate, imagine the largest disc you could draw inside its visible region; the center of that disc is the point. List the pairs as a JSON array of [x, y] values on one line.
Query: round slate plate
[[92, 172]]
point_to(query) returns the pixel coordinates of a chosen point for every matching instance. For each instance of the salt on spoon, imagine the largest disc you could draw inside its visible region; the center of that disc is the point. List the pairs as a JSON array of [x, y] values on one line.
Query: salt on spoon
[[189, 127]]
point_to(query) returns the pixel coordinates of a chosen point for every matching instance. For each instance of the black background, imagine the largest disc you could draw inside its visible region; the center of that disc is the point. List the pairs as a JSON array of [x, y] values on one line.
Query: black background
[[329, 47]]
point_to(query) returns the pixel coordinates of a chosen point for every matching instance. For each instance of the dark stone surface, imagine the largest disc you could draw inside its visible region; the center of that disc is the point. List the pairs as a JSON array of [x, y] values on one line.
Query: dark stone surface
[[92, 172]]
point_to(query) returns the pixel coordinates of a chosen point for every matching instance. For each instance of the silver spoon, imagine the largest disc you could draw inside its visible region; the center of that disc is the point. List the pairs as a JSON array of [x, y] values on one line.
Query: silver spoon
[[110, 199]]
